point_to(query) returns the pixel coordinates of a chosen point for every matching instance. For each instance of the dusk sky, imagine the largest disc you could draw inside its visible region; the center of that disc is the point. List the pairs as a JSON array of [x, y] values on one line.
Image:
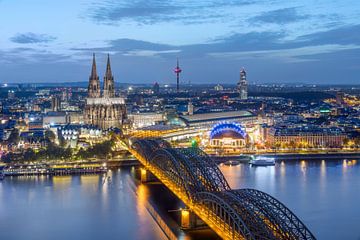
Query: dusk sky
[[308, 41]]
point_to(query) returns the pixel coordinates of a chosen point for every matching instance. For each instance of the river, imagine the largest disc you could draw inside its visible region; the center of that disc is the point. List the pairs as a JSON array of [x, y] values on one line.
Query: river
[[324, 194]]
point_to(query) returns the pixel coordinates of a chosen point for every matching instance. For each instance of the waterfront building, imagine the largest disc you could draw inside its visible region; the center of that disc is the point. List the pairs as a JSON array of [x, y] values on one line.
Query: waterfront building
[[103, 108], [309, 136], [228, 136], [242, 85]]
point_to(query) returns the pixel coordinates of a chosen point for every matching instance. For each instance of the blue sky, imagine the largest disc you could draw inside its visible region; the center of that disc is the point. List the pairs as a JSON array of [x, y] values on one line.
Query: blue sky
[[308, 41]]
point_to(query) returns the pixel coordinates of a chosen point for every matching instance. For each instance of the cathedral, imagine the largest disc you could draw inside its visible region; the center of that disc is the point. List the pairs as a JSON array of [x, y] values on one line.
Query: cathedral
[[103, 109]]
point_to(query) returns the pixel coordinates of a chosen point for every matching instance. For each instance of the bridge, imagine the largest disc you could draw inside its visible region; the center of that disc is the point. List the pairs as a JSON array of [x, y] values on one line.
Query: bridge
[[233, 214]]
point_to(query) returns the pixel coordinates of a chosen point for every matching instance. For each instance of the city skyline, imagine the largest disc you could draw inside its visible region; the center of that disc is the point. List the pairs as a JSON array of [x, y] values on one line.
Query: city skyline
[[275, 42]]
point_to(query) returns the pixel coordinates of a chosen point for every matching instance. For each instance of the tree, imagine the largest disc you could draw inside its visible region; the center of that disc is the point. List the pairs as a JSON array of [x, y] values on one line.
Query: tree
[[29, 155], [49, 135], [14, 137]]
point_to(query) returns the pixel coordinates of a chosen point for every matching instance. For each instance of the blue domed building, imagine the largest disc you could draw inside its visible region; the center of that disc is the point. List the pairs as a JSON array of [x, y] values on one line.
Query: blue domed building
[[228, 135]]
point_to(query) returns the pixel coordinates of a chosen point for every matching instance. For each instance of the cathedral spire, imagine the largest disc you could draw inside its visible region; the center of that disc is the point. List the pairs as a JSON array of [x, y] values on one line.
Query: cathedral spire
[[94, 82], [109, 88], [93, 69], [108, 73]]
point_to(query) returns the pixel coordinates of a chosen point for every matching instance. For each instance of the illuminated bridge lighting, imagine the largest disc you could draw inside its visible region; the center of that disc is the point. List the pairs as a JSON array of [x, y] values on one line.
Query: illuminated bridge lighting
[[233, 214], [227, 126]]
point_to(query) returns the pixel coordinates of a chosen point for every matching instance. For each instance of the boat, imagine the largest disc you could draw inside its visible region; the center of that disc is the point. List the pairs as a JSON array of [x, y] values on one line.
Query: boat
[[232, 163], [263, 161]]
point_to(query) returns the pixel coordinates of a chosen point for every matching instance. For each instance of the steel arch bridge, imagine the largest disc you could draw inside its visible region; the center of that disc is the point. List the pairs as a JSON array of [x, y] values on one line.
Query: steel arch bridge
[[233, 214]]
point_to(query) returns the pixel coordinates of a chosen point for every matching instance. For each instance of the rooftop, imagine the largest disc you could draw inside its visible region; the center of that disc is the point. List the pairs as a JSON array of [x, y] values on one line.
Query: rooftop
[[216, 116]]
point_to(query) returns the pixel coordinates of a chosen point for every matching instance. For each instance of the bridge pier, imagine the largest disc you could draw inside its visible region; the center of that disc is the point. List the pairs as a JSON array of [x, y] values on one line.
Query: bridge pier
[[190, 221], [147, 176]]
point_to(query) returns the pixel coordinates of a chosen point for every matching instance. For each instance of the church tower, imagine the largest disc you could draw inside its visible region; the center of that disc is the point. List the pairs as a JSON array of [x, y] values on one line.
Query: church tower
[[109, 88], [94, 82], [104, 110]]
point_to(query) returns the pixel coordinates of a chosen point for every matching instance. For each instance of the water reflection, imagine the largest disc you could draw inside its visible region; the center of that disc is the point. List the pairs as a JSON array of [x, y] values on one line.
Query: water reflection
[[60, 182], [322, 193], [62, 207]]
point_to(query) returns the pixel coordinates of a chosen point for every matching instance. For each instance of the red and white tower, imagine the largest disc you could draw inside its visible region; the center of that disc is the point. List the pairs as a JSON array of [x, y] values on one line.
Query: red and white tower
[[177, 71]]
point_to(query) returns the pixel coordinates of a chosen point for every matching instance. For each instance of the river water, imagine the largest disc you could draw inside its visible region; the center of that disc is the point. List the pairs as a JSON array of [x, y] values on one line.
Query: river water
[[324, 194]]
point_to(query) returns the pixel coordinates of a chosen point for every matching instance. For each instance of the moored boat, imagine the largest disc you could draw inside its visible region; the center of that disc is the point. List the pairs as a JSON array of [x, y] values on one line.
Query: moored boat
[[232, 163], [263, 161]]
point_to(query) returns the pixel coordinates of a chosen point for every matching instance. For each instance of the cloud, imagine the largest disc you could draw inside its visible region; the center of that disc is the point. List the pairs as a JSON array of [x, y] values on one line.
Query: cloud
[[149, 53], [349, 34], [251, 45], [31, 38], [134, 48], [279, 16], [301, 54], [155, 11]]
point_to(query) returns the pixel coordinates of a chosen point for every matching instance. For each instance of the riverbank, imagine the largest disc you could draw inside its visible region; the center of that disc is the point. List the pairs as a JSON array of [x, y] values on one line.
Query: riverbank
[[54, 169], [289, 156], [95, 166]]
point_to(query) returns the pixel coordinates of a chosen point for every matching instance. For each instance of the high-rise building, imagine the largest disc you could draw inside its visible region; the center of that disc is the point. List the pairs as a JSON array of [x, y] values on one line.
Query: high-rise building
[[11, 94], [242, 85], [103, 109], [55, 103], [156, 88], [340, 98], [190, 108]]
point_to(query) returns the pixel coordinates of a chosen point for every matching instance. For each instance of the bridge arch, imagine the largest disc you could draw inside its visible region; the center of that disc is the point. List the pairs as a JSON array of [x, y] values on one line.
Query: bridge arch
[[282, 220], [243, 213], [179, 172]]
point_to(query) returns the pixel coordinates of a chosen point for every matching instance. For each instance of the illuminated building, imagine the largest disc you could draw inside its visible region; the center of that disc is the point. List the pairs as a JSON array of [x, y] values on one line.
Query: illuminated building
[[190, 108], [103, 109], [55, 118], [139, 120], [310, 136], [11, 94], [55, 103], [228, 135], [242, 85], [340, 96], [219, 88], [208, 120]]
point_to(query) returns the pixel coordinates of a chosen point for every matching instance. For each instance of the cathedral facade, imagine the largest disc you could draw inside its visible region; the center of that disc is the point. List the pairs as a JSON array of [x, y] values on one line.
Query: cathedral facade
[[103, 109]]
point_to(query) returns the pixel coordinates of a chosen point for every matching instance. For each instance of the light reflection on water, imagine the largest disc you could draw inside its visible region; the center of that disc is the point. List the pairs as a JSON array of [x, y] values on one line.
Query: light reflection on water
[[323, 193], [74, 207]]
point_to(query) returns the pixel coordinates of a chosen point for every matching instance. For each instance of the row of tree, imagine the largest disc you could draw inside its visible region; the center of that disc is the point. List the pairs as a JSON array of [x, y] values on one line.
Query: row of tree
[[55, 152]]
